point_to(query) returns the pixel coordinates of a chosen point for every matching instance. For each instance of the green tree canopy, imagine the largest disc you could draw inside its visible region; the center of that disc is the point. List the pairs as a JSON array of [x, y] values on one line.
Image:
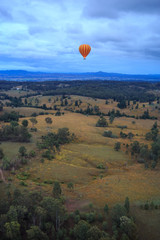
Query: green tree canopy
[[35, 233], [12, 230], [57, 189], [81, 230], [48, 120], [127, 204], [117, 146], [22, 151], [1, 153], [101, 122], [117, 212], [25, 123]]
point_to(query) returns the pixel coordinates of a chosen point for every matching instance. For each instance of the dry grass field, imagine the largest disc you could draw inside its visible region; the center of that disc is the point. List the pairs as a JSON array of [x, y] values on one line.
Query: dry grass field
[[78, 161], [17, 92], [25, 111]]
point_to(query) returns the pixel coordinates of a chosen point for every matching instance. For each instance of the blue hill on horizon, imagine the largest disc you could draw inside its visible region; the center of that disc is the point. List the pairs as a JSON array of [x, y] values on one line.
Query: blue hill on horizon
[[23, 75]]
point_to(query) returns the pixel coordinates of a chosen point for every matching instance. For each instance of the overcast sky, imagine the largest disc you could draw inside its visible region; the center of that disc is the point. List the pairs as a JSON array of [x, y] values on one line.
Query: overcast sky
[[44, 35]]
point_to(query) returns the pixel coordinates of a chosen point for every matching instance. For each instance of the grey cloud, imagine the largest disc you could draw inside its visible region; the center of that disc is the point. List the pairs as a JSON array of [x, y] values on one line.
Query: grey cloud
[[110, 38], [152, 47], [153, 53], [27, 17], [144, 6], [4, 14], [100, 12], [33, 30], [123, 42], [147, 50], [114, 8], [74, 28]]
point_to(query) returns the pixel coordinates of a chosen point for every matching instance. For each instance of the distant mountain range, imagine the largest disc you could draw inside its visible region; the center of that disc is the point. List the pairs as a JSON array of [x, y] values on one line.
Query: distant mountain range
[[21, 75]]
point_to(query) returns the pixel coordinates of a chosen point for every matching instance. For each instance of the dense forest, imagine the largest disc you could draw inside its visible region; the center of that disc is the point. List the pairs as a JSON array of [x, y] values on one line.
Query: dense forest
[[132, 90], [32, 216]]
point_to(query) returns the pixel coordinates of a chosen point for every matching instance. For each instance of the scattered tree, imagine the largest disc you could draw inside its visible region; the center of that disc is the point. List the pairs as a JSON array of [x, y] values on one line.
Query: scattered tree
[[57, 189], [25, 123], [101, 122], [33, 121], [81, 230], [22, 151], [1, 153], [35, 233], [70, 185], [127, 204], [117, 146]]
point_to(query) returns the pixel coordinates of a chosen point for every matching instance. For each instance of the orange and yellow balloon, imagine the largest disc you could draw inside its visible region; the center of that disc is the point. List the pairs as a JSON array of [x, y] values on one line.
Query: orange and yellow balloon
[[84, 50]]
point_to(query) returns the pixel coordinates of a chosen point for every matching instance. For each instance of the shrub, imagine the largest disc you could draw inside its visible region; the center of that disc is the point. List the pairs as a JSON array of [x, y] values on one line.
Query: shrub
[[141, 160], [130, 135], [33, 129], [22, 183], [48, 181], [1, 153], [57, 189], [58, 113], [127, 204], [146, 206], [123, 135], [32, 153], [10, 179], [117, 146], [34, 114], [105, 226], [109, 134], [152, 206], [23, 176], [91, 217], [100, 217], [106, 209], [100, 166], [6, 163], [101, 122], [41, 113], [122, 126], [23, 160], [76, 218], [48, 120], [22, 151], [154, 164], [25, 123], [70, 185], [42, 160], [47, 154]]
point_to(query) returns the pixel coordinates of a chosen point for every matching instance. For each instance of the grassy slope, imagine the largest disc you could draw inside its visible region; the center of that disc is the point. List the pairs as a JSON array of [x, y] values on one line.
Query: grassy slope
[[77, 161], [148, 223]]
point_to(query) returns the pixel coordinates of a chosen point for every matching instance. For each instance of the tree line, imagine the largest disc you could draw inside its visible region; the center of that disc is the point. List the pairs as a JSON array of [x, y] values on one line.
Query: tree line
[[34, 216]]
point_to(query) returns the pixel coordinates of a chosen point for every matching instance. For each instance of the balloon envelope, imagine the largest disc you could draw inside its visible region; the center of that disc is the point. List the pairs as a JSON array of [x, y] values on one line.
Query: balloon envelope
[[84, 50]]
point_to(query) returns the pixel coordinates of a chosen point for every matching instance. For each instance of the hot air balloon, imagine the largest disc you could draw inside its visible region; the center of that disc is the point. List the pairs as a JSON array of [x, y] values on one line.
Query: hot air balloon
[[84, 50]]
